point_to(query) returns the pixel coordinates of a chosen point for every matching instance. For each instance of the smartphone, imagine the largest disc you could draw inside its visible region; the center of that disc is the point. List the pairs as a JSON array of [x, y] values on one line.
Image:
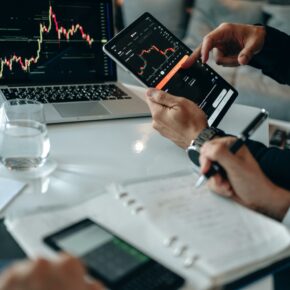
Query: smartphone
[[110, 259], [154, 56]]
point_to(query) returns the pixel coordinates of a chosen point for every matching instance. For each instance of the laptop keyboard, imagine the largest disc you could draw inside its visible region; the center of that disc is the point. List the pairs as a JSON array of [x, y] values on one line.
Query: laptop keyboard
[[64, 94]]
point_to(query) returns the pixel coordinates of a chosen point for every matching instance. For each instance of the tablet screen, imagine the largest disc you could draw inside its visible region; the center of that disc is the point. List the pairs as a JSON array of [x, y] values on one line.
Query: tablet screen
[[155, 56]]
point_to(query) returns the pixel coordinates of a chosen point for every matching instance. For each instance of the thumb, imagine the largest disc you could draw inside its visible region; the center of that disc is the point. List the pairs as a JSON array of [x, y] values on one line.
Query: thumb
[[161, 98], [247, 53]]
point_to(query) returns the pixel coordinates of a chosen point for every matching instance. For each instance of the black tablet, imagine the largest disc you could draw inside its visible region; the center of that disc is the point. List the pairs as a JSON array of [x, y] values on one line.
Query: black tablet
[[117, 264], [153, 55]]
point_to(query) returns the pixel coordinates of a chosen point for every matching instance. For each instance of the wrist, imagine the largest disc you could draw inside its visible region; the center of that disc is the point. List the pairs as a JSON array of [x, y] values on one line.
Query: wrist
[[192, 135], [282, 198], [279, 202]]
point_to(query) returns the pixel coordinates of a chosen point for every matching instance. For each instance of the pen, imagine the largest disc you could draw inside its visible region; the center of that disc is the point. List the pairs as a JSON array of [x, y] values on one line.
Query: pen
[[242, 138]]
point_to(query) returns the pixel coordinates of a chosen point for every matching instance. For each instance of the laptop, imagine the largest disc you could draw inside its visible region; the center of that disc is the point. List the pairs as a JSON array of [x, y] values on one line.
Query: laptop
[[51, 51]]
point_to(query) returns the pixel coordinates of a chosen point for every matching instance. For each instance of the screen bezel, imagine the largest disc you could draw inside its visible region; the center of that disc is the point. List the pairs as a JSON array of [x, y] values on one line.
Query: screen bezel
[[49, 240], [112, 78], [119, 61]]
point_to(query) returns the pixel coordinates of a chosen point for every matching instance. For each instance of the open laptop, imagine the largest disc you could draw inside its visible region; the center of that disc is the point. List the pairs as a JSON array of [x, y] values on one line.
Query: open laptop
[[51, 51]]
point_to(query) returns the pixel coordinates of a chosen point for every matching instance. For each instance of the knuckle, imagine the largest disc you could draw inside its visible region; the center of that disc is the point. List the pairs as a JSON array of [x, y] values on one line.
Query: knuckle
[[162, 96], [41, 263], [226, 25], [156, 126], [218, 61], [207, 38]]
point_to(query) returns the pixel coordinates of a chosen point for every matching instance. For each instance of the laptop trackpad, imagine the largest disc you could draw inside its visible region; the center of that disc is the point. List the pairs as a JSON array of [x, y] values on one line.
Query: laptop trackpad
[[80, 109]]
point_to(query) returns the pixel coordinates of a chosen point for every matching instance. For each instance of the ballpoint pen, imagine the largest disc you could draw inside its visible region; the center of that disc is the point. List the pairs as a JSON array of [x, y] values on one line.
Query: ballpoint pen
[[242, 138]]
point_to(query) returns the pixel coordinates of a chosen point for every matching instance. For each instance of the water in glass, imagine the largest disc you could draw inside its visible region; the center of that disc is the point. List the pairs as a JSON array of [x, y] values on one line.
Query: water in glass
[[25, 143]]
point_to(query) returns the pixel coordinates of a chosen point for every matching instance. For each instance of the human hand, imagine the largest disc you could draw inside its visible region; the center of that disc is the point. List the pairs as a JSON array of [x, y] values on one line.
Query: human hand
[[233, 45], [175, 118], [67, 273], [246, 183]]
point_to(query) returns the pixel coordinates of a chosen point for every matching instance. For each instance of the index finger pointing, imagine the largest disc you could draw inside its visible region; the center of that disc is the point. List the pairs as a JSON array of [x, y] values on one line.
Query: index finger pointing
[[192, 59], [210, 41]]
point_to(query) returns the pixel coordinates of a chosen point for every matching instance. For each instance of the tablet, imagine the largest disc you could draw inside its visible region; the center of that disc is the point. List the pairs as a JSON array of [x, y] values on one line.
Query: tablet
[[154, 56]]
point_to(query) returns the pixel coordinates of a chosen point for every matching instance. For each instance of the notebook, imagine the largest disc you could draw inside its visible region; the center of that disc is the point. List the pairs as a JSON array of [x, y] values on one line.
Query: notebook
[[217, 236], [208, 240], [51, 51]]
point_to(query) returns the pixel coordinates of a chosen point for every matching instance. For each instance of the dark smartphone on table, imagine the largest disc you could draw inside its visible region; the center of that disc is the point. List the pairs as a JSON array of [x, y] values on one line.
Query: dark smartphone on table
[[116, 263]]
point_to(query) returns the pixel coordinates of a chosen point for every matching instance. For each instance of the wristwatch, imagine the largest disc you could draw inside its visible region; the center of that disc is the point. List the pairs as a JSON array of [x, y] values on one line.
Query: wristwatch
[[206, 134]]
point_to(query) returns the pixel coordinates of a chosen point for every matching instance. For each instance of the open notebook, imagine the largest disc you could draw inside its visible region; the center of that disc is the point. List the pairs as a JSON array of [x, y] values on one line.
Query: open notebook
[[210, 233], [207, 239]]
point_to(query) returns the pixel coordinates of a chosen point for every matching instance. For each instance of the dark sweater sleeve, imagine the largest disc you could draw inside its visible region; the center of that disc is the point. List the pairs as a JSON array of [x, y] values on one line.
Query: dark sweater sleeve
[[274, 59], [274, 162]]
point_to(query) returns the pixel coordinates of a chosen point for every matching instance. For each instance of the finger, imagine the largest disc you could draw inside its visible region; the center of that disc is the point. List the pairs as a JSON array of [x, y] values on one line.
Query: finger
[[205, 164], [153, 106], [192, 59], [16, 275], [221, 59], [218, 150], [161, 98], [220, 186], [70, 265], [248, 52], [210, 42]]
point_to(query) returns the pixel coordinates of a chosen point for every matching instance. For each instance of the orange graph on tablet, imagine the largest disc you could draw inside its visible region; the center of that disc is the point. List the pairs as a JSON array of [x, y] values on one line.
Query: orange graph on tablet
[[170, 75]]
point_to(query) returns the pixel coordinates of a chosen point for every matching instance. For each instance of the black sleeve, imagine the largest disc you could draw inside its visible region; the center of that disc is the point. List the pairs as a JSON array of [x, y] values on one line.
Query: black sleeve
[[274, 59], [274, 162]]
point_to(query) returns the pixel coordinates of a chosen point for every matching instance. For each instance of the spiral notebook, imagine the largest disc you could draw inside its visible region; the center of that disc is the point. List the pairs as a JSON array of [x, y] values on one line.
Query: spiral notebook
[[210, 233]]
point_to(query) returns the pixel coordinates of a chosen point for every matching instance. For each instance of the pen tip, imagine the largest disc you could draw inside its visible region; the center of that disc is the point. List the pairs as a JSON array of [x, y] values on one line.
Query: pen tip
[[200, 181]]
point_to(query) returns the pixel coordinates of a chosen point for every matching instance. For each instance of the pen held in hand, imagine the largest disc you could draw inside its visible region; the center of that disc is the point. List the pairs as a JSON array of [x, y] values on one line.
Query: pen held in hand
[[216, 168]]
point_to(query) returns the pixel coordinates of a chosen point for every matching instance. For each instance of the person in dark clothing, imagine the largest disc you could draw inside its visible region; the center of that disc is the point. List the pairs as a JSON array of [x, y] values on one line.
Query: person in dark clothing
[[258, 176]]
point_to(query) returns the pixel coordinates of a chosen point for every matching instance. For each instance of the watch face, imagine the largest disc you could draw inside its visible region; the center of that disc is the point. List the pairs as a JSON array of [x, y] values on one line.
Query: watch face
[[193, 155]]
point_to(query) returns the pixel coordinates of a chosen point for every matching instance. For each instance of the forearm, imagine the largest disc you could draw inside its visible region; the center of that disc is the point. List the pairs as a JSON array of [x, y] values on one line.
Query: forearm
[[274, 162], [274, 59]]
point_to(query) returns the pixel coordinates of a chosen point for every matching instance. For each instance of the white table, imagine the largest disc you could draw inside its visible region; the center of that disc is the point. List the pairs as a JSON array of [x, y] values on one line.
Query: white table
[[91, 155]]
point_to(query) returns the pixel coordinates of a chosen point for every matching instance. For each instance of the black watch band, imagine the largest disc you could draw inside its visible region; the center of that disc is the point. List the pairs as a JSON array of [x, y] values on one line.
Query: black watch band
[[206, 134]]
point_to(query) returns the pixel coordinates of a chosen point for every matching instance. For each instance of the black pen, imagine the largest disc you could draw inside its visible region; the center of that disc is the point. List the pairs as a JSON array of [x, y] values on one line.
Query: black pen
[[242, 138]]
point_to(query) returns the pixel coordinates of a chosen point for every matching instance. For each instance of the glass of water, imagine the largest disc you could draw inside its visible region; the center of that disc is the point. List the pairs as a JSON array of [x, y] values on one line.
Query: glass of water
[[24, 142]]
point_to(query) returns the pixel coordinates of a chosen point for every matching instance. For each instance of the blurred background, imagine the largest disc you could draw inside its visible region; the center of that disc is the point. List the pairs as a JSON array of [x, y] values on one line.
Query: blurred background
[[191, 20]]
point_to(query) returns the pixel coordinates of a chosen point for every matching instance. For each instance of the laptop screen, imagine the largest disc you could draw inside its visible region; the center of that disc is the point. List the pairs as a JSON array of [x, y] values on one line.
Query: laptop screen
[[55, 42]]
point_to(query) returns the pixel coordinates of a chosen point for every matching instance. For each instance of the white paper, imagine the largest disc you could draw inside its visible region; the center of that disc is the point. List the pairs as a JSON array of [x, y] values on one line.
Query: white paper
[[225, 235], [9, 189]]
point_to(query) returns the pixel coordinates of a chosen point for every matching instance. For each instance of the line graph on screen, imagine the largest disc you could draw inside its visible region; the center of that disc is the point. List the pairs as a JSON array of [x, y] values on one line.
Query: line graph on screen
[[62, 33], [153, 48]]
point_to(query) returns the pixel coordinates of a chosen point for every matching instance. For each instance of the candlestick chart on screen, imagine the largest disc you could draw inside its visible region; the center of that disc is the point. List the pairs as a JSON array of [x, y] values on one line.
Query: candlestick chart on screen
[[57, 37]]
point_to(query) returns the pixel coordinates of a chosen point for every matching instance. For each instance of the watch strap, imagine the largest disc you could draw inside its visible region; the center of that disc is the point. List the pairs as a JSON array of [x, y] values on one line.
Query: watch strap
[[206, 134]]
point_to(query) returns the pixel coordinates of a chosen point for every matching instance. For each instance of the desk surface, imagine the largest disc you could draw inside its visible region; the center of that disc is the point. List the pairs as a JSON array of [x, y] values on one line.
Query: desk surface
[[89, 156]]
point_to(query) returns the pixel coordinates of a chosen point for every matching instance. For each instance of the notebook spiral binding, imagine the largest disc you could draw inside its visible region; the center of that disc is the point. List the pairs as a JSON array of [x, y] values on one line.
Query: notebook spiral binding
[[179, 250]]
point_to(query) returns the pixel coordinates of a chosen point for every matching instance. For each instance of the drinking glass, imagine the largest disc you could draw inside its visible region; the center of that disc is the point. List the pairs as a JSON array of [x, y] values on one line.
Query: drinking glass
[[23, 135]]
